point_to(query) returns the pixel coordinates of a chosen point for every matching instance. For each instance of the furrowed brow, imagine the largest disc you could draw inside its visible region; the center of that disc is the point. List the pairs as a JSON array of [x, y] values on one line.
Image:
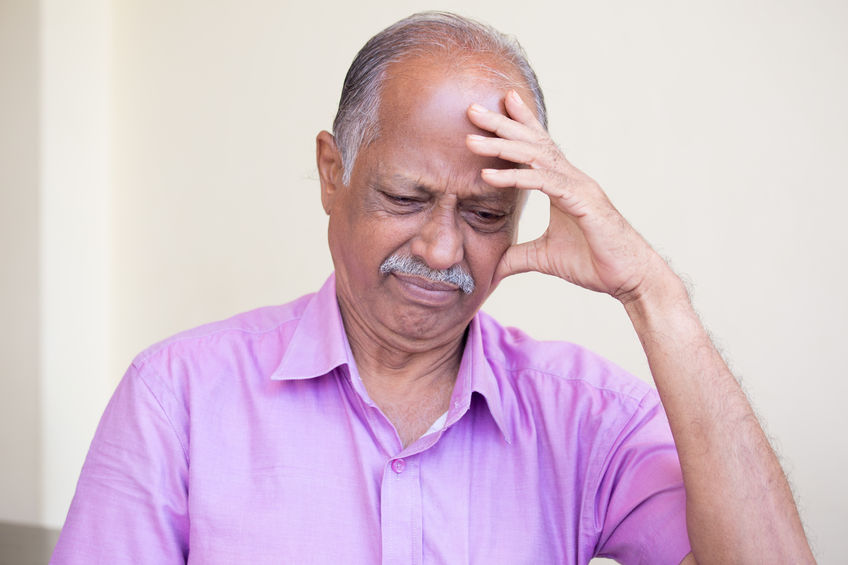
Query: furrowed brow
[[397, 180], [479, 194], [499, 197]]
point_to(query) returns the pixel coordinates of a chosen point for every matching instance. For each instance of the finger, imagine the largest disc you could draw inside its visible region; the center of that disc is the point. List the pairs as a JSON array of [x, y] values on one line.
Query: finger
[[544, 155], [521, 112], [569, 197], [515, 151], [501, 125], [527, 179]]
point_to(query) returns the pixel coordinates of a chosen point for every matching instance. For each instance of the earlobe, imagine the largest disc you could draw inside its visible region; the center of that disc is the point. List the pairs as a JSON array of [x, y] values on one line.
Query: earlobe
[[329, 168]]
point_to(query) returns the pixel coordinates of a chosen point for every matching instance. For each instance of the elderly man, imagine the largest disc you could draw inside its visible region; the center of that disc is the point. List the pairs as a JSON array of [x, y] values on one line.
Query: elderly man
[[385, 419]]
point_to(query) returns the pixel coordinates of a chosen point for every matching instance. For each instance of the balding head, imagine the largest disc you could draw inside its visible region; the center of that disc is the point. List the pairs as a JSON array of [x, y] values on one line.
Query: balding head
[[439, 37]]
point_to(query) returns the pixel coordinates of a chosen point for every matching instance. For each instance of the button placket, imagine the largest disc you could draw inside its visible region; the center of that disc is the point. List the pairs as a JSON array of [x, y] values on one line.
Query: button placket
[[401, 513]]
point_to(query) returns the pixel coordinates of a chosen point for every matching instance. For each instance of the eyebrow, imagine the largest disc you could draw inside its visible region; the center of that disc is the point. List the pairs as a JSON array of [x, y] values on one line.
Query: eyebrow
[[495, 195]]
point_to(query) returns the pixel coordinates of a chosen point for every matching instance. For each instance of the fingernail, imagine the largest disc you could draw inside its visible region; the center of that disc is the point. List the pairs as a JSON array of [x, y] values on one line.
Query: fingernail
[[475, 137], [477, 109], [516, 97], [490, 171]]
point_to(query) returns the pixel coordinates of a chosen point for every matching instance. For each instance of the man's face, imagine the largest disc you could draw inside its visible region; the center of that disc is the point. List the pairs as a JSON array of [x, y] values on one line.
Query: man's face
[[416, 192]]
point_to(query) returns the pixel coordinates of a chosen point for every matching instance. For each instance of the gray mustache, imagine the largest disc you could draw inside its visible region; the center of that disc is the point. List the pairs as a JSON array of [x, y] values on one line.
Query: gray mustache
[[408, 265]]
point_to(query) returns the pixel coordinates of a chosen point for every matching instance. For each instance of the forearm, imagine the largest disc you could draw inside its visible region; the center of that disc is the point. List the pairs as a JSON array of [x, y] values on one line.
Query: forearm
[[739, 505]]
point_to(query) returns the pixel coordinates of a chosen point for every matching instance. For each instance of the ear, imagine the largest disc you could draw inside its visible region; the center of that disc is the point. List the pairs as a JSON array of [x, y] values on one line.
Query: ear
[[329, 168]]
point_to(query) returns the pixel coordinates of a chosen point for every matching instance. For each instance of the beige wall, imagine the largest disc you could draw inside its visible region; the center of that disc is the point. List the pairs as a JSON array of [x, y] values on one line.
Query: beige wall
[[75, 199], [20, 403], [54, 105], [720, 131]]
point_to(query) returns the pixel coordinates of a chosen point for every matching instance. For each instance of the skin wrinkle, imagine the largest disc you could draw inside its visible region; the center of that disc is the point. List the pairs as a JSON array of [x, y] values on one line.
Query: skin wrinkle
[[482, 193]]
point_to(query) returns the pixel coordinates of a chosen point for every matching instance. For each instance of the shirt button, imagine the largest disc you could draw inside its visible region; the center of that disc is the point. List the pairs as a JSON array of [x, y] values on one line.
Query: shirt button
[[398, 465]]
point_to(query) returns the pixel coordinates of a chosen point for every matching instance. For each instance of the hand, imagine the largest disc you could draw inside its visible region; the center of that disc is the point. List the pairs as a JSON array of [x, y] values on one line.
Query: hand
[[587, 242]]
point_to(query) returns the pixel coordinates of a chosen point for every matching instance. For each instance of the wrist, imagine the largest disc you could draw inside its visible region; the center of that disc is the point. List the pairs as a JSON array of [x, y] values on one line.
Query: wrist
[[660, 295]]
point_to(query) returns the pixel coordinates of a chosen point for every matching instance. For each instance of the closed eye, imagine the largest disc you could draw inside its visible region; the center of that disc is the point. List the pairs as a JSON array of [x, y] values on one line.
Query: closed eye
[[487, 216], [402, 200], [485, 220], [402, 204]]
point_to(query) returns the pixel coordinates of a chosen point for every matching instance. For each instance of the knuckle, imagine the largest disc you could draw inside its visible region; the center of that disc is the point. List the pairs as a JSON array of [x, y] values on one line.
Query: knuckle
[[542, 138], [537, 163]]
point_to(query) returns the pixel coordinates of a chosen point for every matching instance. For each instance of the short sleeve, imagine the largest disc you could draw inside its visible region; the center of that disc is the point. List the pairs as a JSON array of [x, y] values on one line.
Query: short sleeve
[[130, 504], [640, 505]]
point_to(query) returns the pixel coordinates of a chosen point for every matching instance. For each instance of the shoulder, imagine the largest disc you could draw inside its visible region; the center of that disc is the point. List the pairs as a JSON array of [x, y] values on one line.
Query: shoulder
[[548, 366], [245, 327], [208, 369], [588, 414], [243, 348], [593, 414]]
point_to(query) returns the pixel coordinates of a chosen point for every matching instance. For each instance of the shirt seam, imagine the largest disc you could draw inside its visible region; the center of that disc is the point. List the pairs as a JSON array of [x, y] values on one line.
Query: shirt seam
[[145, 355], [569, 378], [171, 425], [596, 477]]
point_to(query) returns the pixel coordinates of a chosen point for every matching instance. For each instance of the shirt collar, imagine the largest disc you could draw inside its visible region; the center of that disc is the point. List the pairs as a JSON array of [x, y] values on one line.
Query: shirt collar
[[476, 375], [319, 344]]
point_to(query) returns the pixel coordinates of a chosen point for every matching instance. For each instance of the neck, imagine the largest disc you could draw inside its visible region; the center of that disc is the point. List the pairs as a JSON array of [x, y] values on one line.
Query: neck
[[410, 380], [390, 366]]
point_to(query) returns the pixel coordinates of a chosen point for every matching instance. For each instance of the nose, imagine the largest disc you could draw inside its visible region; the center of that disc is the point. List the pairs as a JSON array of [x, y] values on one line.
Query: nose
[[440, 241]]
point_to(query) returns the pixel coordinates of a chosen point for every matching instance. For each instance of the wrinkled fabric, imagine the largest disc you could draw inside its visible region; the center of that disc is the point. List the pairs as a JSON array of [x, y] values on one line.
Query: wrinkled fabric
[[253, 440]]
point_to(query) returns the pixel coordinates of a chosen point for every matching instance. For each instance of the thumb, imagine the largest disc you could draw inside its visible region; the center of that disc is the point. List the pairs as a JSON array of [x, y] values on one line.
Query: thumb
[[518, 258]]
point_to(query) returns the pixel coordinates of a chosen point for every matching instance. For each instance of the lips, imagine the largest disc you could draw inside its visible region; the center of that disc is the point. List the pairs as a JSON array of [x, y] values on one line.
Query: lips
[[426, 284], [425, 292]]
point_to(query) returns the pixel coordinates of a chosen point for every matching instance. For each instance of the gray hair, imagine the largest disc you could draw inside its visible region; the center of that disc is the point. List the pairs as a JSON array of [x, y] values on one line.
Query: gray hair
[[411, 265], [426, 33]]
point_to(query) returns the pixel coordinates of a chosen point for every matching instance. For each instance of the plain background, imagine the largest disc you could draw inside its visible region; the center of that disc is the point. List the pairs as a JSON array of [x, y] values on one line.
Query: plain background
[[157, 172]]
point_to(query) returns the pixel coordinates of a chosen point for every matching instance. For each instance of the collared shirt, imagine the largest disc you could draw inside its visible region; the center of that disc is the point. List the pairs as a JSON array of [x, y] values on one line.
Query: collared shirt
[[253, 440]]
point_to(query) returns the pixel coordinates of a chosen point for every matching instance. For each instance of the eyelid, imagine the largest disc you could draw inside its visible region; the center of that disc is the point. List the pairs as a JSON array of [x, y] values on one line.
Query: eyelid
[[401, 197], [495, 223], [400, 203], [482, 209]]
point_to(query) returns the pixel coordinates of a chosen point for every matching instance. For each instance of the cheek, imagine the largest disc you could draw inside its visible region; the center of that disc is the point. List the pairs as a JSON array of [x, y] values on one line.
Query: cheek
[[374, 237], [483, 253]]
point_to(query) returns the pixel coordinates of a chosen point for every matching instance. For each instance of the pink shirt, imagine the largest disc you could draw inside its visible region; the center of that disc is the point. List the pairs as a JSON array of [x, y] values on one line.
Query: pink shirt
[[253, 440]]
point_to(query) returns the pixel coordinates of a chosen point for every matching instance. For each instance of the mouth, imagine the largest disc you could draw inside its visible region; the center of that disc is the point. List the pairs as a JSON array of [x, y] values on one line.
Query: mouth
[[426, 283], [425, 291]]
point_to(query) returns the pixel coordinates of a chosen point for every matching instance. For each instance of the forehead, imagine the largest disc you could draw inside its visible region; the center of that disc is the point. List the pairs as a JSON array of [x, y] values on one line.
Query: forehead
[[423, 126], [426, 93]]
